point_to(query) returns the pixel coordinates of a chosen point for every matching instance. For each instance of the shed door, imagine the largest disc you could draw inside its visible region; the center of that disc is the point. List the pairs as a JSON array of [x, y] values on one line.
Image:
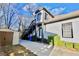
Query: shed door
[[8, 38], [2, 42]]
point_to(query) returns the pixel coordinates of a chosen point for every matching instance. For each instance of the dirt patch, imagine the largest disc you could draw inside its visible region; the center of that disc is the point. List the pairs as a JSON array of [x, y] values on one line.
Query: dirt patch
[[15, 50]]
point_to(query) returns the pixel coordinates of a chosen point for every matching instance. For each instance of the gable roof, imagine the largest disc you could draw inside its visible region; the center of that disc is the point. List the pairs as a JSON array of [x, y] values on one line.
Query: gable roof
[[63, 17], [38, 10]]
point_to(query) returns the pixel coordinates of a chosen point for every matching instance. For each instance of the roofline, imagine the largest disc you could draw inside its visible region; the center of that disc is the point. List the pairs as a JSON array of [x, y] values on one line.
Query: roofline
[[46, 11], [59, 20], [64, 17]]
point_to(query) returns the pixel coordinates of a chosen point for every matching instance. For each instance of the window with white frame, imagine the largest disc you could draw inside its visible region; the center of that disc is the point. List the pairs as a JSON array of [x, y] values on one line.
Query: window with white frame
[[67, 30]]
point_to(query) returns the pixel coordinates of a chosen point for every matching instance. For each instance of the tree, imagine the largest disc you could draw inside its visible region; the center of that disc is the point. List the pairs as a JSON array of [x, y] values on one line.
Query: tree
[[24, 22], [9, 18]]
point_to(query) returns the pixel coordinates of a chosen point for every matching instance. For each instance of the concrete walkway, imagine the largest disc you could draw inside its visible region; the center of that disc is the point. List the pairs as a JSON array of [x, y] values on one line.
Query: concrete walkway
[[39, 49]]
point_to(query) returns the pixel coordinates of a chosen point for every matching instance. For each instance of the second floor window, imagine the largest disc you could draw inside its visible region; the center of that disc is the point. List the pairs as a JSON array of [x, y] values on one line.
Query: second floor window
[[46, 16], [38, 17]]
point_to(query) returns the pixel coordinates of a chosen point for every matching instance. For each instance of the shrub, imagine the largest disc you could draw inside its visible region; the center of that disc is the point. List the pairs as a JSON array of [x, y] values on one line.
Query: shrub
[[69, 44], [76, 46]]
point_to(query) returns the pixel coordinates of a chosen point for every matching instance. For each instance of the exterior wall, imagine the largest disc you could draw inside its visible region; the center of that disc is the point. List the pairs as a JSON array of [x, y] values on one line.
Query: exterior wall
[[57, 29], [48, 17], [43, 16], [43, 20], [16, 38]]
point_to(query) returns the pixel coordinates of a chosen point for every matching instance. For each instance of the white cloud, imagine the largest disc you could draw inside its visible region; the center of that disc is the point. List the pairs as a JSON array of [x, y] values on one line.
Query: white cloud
[[48, 8], [26, 7], [58, 11], [30, 7], [55, 11], [33, 6]]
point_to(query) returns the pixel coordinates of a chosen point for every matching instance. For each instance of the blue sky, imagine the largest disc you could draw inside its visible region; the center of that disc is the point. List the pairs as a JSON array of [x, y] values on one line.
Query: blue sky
[[54, 8]]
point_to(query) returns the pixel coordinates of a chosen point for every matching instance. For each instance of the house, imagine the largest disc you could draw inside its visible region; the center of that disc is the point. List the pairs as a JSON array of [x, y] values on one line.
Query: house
[[66, 26], [36, 27], [42, 15]]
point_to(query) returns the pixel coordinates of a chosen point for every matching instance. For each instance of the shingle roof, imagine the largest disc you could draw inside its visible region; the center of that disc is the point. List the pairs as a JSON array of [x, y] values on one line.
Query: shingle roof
[[63, 17]]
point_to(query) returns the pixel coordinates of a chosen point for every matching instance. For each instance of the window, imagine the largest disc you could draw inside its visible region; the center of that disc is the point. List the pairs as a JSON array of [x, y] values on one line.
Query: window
[[46, 16], [38, 16], [67, 31]]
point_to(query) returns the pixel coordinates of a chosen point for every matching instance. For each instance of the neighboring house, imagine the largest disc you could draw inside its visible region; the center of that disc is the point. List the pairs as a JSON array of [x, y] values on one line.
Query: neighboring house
[[66, 26], [42, 15]]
